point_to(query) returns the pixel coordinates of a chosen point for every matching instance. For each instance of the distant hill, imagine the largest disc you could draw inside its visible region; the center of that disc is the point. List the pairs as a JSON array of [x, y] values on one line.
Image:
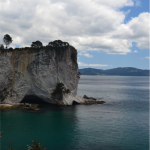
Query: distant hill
[[126, 71]]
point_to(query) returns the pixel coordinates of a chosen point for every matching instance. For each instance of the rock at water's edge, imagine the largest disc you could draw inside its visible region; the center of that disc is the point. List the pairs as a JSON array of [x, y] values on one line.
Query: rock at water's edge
[[48, 73], [37, 72]]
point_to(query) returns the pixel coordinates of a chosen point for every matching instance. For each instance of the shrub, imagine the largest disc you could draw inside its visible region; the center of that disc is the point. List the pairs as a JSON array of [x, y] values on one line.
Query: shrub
[[58, 43], [2, 132], [60, 89], [10, 49], [67, 91], [11, 147], [1, 46], [7, 40], [58, 46], [36, 146], [37, 44]]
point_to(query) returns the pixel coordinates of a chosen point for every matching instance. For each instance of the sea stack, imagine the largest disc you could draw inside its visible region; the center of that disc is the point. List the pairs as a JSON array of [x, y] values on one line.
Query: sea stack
[[49, 73]]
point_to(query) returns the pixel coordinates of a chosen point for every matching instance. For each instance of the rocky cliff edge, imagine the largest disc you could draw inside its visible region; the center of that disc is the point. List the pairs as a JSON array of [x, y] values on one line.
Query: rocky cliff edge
[[48, 73]]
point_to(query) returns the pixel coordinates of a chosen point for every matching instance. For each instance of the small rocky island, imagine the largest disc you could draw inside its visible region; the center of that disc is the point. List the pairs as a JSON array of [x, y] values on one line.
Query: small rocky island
[[49, 73]]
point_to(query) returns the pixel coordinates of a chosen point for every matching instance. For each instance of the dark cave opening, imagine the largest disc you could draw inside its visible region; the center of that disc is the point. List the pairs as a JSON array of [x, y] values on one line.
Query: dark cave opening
[[33, 100], [75, 103]]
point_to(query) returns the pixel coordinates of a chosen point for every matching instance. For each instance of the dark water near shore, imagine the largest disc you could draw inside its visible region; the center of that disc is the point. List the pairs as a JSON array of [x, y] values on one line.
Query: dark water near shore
[[120, 124]]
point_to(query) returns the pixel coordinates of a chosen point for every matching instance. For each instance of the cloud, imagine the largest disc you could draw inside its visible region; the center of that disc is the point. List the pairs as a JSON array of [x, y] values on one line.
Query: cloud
[[116, 4], [87, 25], [147, 57], [127, 12], [137, 3], [135, 51], [91, 65], [86, 55], [136, 30]]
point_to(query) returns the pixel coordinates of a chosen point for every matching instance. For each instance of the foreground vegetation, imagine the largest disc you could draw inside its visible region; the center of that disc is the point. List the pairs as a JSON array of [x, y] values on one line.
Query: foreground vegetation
[[35, 145]]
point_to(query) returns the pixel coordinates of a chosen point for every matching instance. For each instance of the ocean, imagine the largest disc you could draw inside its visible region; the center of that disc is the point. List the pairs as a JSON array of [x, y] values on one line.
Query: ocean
[[122, 123]]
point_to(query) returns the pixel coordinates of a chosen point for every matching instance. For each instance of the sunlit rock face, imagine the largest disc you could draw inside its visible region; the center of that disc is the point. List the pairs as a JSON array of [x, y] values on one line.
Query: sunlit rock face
[[37, 72]]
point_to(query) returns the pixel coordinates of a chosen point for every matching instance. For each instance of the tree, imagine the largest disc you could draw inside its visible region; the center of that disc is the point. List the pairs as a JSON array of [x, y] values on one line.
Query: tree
[[1, 46], [58, 43], [37, 44], [7, 40], [36, 146]]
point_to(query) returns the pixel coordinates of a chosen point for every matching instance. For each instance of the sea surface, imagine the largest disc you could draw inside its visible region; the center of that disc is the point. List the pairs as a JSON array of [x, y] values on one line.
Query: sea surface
[[122, 123]]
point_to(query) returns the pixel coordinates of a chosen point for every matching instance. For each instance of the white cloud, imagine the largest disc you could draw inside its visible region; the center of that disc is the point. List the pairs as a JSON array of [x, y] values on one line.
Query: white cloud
[[135, 51], [147, 57], [91, 65], [127, 12], [85, 54], [137, 3], [136, 30], [115, 3], [87, 25]]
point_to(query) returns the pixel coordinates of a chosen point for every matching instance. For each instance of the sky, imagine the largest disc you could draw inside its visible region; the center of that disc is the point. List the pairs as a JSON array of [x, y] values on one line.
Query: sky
[[106, 33]]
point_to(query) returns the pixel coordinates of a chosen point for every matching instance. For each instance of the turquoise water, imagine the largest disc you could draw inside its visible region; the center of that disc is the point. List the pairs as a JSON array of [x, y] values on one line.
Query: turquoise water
[[120, 124]]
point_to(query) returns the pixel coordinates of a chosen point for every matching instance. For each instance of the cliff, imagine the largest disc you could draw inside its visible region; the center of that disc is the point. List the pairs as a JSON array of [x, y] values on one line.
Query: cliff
[[50, 74]]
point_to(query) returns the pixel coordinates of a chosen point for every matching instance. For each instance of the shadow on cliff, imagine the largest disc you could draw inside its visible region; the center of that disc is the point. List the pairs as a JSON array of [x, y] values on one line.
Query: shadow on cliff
[[33, 100]]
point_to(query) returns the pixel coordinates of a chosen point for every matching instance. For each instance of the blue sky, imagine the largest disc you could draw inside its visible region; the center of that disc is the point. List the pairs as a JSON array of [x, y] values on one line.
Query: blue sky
[[138, 60], [106, 33]]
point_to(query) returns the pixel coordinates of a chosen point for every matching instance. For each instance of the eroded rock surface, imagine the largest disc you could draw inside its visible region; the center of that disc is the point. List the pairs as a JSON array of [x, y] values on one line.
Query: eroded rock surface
[[37, 72]]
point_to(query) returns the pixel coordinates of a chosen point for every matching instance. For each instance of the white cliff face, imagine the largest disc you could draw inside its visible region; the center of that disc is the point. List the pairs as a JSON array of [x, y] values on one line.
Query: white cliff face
[[37, 72]]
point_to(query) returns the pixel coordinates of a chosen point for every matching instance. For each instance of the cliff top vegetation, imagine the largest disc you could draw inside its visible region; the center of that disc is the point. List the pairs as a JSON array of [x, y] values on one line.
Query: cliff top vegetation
[[57, 45]]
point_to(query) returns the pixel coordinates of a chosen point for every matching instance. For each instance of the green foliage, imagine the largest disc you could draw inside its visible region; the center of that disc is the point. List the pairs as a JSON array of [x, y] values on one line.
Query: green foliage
[[10, 49], [60, 89], [18, 49], [36, 44], [10, 146], [67, 91], [58, 45], [26, 47], [7, 40], [1, 46], [36, 146], [2, 132]]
